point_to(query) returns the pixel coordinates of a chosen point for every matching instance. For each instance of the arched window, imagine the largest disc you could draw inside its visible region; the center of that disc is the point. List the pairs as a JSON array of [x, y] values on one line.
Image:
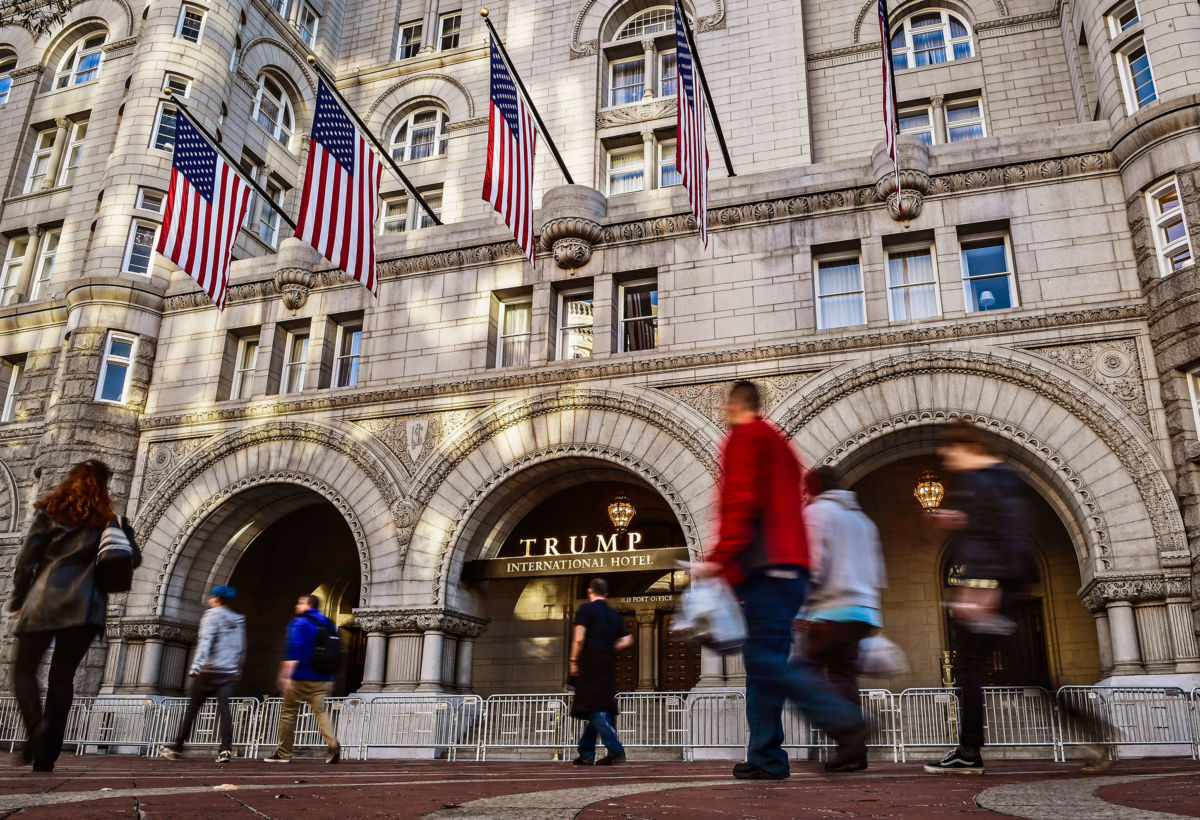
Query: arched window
[[8, 62], [421, 134], [932, 36], [659, 20], [273, 110], [81, 63], [633, 72]]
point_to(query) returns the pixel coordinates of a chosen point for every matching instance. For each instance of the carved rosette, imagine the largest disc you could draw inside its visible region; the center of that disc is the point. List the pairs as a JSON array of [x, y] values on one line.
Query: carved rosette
[[389, 621], [294, 285], [571, 239]]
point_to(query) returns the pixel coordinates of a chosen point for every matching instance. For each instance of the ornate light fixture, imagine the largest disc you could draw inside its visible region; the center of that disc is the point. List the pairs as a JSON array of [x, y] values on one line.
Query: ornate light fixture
[[929, 492], [621, 511]]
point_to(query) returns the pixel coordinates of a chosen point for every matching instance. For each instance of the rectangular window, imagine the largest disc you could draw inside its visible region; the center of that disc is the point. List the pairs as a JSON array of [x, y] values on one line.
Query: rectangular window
[[839, 293], [912, 285], [575, 325], [139, 248], [295, 361], [10, 383], [191, 23], [515, 334], [45, 265], [280, 6], [347, 354], [268, 217], [164, 121], [988, 273], [394, 215], [14, 258], [77, 134], [7, 64], [668, 73], [243, 369], [668, 173], [639, 316], [1137, 76], [964, 120], [410, 41], [448, 30], [1170, 228], [433, 198], [115, 368], [919, 123], [39, 165], [309, 21], [627, 82], [626, 170], [148, 199], [1122, 18]]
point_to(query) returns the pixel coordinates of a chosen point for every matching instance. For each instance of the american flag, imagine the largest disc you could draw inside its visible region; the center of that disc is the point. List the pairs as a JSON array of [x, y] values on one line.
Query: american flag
[[890, 116], [508, 180], [341, 192], [691, 151], [206, 202]]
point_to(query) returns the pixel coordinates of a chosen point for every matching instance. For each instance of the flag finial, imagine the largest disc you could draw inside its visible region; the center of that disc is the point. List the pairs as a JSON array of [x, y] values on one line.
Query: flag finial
[[483, 12], [312, 59]]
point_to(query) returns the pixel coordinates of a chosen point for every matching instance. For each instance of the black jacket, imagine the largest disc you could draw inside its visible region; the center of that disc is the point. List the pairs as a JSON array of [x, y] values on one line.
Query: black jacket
[[54, 584], [995, 544]]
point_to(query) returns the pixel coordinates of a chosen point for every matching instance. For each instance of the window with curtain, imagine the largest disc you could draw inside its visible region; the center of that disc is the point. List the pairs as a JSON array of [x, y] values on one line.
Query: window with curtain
[[409, 43], [839, 293], [39, 165], [912, 286], [74, 153], [668, 73], [244, 367], [930, 37], [627, 81], [394, 215], [45, 264], [639, 316], [421, 134], [81, 63], [626, 170], [515, 334], [987, 274], [273, 110], [348, 347], [1170, 227], [433, 198], [294, 362], [918, 122], [163, 137], [139, 248], [668, 171], [964, 120]]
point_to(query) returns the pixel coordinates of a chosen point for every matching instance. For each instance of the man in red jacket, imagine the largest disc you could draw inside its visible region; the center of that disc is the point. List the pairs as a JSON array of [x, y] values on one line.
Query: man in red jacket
[[763, 552]]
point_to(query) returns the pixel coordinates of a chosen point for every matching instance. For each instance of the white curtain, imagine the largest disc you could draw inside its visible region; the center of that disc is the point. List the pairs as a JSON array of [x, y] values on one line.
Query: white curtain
[[911, 285], [839, 289], [515, 344]]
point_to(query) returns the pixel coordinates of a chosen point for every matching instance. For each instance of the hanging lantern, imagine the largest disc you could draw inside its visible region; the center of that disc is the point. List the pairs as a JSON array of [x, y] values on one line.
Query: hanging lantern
[[929, 492], [621, 511]]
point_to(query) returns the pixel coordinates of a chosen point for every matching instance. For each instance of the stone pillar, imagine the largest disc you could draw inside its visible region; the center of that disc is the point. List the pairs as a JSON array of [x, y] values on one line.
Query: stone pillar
[[1154, 637], [938, 122], [464, 673], [151, 664], [375, 663], [1183, 634], [114, 666], [404, 653], [1104, 642], [430, 30], [735, 670], [645, 650], [1126, 656], [648, 90], [712, 669], [61, 125], [25, 277], [651, 161], [431, 661]]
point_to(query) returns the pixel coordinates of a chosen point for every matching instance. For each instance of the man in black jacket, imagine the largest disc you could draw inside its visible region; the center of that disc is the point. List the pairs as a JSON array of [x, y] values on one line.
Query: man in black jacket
[[599, 634]]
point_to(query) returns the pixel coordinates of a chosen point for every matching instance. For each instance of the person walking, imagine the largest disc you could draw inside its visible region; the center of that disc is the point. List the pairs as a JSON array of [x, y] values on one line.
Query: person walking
[[217, 665], [992, 559], [762, 551], [847, 574], [599, 635], [56, 599], [301, 683]]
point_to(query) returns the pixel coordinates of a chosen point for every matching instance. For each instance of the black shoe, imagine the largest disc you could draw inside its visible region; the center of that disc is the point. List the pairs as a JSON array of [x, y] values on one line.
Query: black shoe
[[838, 763], [611, 760], [957, 762], [40, 768], [579, 761], [334, 756], [748, 771]]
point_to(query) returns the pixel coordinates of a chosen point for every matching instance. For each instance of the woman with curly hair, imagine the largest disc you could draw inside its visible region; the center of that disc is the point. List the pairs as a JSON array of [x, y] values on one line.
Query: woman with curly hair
[[55, 598]]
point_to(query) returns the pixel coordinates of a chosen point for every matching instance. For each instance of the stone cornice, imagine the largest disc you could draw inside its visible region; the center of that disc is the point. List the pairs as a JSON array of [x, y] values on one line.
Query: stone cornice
[[1133, 588], [390, 621], [542, 376], [148, 629], [120, 48]]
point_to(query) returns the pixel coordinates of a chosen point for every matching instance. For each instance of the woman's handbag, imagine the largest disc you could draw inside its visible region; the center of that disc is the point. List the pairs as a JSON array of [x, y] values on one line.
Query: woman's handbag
[[114, 561], [709, 614], [879, 656]]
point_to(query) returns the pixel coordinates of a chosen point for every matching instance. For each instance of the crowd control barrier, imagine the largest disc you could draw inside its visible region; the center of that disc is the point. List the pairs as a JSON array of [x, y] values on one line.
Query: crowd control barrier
[[705, 723]]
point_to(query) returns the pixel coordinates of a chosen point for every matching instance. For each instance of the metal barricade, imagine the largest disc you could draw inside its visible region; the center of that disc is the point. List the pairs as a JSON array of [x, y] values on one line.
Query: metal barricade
[[308, 732], [1120, 716], [12, 727], [716, 720], [528, 722], [881, 711], [1196, 723], [206, 728], [113, 723], [652, 720], [928, 719], [442, 723], [1020, 716]]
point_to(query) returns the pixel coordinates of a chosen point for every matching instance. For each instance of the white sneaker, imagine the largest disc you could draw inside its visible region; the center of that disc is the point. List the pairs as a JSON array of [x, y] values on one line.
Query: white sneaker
[[224, 756], [167, 753], [275, 758]]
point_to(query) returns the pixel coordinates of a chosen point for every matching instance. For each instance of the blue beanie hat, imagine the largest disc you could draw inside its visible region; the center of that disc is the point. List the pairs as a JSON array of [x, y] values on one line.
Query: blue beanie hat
[[225, 592]]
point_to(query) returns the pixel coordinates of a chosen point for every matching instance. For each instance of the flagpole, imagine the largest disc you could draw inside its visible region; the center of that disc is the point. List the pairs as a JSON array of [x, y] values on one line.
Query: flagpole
[[387, 156], [524, 93], [229, 158], [687, 32]]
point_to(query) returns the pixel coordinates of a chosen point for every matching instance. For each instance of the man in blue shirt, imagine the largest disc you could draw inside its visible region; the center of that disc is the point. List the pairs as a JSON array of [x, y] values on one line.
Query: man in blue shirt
[[300, 683]]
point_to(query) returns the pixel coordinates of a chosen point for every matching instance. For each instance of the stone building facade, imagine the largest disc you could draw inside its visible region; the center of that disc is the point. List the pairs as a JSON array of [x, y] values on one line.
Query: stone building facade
[[1035, 277]]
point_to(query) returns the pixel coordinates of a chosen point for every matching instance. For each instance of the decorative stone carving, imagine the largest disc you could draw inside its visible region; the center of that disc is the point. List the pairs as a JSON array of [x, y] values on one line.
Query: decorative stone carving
[[701, 25], [913, 154], [164, 456], [428, 75], [293, 285], [1113, 365], [653, 109], [150, 628], [413, 438], [708, 399], [1132, 587], [571, 223], [450, 622]]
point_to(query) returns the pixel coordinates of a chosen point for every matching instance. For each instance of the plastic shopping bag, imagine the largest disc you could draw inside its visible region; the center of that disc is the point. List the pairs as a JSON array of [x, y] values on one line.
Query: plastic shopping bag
[[709, 614], [879, 656]]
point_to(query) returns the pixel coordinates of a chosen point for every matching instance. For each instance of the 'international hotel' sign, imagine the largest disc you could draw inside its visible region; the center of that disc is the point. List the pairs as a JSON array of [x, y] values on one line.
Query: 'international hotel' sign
[[577, 555]]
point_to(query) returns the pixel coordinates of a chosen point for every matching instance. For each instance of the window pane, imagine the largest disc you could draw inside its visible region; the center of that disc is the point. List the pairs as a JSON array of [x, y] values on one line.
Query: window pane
[[164, 139], [915, 121], [930, 47], [841, 311], [1174, 230], [88, 67], [838, 277], [141, 248], [628, 80], [668, 73], [1167, 200], [641, 334], [5, 85], [959, 113], [958, 133], [1143, 82], [114, 381], [514, 351], [516, 319], [984, 257], [962, 50], [641, 301], [988, 293], [577, 311], [957, 29], [1179, 257], [913, 302], [910, 267]]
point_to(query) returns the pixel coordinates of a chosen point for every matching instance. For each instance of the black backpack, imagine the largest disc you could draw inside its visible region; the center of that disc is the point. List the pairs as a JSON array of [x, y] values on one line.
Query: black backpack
[[327, 652], [115, 560]]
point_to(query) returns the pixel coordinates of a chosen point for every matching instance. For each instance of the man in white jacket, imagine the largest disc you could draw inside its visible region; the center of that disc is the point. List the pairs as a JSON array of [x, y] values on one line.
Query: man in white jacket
[[217, 664], [847, 575]]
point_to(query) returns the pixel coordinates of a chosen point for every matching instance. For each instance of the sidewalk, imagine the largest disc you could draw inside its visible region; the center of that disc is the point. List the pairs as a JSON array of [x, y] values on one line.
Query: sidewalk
[[197, 789]]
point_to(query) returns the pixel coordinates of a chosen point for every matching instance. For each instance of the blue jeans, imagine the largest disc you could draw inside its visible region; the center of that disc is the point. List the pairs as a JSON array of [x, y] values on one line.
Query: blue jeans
[[600, 724], [770, 604]]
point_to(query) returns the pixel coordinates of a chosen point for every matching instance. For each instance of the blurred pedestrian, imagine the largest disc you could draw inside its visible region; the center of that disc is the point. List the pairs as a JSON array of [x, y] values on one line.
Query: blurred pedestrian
[[58, 599], [599, 634], [216, 666], [846, 573], [763, 551], [993, 562], [304, 678]]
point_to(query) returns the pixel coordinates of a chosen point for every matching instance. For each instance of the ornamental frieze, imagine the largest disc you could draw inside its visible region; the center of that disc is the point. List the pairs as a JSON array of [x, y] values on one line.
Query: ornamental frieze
[[150, 629], [1134, 588], [391, 621], [164, 456], [708, 398], [413, 438], [1113, 365]]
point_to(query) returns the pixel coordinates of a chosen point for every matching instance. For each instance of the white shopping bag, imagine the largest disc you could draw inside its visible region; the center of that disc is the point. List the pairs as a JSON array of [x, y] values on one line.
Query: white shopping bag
[[709, 614], [879, 656]]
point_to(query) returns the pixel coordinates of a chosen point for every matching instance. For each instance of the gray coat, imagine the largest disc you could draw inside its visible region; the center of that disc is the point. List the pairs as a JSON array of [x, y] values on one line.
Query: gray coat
[[54, 581], [221, 644], [845, 551]]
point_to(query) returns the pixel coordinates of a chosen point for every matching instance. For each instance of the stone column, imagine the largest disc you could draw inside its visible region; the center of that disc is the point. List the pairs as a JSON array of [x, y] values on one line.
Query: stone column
[[403, 662], [940, 135], [375, 663], [712, 669], [431, 661], [1104, 642], [430, 27], [1154, 637], [1127, 658], [648, 90], [61, 125], [649, 158], [113, 666], [464, 673], [151, 664], [645, 650], [25, 277], [735, 670], [1183, 634]]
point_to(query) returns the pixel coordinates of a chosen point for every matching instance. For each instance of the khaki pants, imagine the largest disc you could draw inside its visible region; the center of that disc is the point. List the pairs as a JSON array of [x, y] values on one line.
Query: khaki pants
[[313, 693]]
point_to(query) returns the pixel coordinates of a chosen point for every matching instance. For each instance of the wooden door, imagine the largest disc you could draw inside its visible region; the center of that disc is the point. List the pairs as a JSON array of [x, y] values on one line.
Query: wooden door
[[627, 660], [678, 662]]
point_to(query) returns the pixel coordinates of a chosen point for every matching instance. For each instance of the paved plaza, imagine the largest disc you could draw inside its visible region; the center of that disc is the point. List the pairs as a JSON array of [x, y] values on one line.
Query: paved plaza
[[196, 788]]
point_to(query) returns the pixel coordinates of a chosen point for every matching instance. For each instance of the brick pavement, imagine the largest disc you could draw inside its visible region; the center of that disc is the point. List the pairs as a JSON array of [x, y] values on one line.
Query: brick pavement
[[153, 790]]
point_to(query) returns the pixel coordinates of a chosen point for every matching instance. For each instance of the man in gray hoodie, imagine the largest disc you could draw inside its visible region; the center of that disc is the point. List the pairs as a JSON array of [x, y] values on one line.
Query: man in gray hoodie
[[847, 575], [217, 664]]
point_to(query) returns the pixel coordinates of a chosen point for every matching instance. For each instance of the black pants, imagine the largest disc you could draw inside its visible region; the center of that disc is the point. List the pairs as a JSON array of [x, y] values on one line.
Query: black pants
[[833, 645], [974, 651], [45, 729], [204, 686]]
